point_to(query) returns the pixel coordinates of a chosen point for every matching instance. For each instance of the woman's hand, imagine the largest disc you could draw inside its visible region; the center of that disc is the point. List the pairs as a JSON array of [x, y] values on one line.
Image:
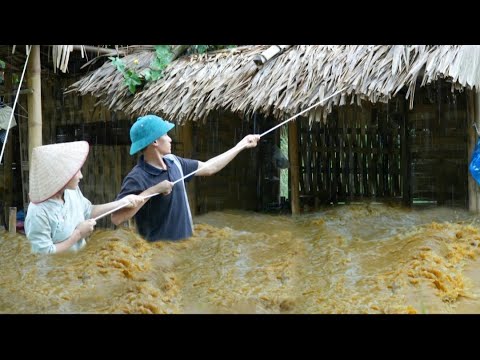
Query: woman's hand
[[85, 228], [133, 200]]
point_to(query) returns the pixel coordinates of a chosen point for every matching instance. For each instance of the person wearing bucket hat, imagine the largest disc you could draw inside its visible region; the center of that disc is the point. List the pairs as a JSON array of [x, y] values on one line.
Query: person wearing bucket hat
[[59, 217], [166, 216]]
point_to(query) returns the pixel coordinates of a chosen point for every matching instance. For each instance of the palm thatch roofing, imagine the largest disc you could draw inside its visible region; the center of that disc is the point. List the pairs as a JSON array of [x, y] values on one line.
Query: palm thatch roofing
[[59, 56], [195, 85]]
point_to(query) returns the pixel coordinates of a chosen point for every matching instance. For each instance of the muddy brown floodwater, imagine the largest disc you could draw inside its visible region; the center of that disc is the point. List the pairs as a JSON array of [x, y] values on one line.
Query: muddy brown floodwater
[[365, 258]]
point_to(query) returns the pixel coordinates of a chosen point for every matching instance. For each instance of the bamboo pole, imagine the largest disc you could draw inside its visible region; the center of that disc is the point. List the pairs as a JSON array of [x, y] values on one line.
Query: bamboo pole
[[179, 50], [270, 53], [98, 50], [294, 167], [8, 173], [12, 220], [21, 92], [34, 100], [405, 158]]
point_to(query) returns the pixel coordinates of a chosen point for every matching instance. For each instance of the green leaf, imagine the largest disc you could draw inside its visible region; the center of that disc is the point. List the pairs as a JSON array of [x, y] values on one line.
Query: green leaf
[[163, 52], [132, 88], [156, 75], [118, 63], [202, 48], [147, 74], [2, 64]]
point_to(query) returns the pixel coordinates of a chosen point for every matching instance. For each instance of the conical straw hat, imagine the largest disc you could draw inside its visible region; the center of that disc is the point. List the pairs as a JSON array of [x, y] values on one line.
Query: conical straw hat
[[5, 113], [53, 166]]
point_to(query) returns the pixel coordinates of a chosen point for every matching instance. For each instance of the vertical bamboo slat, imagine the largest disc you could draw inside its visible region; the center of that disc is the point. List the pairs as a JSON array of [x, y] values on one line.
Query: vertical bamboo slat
[[294, 166], [34, 100]]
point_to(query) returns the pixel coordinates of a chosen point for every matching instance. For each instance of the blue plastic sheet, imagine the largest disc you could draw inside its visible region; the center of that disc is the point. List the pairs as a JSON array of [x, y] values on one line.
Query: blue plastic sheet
[[21, 215], [475, 163]]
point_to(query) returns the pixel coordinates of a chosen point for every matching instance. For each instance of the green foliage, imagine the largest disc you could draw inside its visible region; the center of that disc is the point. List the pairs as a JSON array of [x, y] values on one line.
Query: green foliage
[[164, 56], [201, 49], [132, 79], [152, 73]]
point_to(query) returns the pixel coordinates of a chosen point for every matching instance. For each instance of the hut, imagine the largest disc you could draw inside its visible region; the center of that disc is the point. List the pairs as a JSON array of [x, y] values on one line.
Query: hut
[[400, 129]]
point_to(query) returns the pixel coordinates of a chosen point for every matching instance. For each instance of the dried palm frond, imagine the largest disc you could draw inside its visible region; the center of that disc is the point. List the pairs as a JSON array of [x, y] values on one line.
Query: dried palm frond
[[195, 85]]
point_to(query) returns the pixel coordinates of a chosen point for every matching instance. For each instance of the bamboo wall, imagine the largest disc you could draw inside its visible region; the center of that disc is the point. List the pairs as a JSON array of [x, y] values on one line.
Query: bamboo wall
[[234, 187], [353, 155], [387, 152], [438, 147]]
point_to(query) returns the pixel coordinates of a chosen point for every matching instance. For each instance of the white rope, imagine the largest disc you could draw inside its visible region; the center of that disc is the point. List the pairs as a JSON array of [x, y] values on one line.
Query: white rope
[[14, 103], [121, 207], [266, 132], [208, 163]]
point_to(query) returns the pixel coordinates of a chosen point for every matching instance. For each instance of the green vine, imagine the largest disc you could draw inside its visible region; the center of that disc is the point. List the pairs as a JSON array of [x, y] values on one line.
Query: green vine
[[163, 56], [201, 49], [132, 78]]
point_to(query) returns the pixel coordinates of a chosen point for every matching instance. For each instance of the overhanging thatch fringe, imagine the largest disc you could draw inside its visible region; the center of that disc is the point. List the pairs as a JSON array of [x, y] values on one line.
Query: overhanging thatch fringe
[[194, 86]]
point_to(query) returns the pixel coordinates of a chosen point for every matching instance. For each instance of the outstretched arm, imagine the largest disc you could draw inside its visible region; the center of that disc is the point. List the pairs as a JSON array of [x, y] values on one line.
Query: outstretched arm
[[217, 163]]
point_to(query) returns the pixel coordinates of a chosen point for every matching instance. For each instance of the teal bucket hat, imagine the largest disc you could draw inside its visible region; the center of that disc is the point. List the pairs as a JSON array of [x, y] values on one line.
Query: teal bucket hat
[[146, 130]]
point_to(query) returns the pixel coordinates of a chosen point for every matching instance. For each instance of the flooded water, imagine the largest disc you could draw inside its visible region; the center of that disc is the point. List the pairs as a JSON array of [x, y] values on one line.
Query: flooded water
[[365, 258]]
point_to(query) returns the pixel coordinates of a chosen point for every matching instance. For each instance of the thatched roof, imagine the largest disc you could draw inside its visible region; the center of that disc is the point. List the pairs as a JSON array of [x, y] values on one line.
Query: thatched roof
[[59, 56], [193, 86]]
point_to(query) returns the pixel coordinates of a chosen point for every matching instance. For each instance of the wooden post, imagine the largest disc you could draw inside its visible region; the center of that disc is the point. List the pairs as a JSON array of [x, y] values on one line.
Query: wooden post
[[34, 100], [187, 139], [8, 155], [473, 103], [405, 158], [294, 166], [12, 220]]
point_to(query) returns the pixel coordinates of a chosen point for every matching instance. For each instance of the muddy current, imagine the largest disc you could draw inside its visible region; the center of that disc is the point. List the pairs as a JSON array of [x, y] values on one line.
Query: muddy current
[[365, 258]]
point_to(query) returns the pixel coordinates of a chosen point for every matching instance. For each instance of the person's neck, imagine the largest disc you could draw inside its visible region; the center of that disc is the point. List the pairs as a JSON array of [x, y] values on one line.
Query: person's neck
[[155, 159]]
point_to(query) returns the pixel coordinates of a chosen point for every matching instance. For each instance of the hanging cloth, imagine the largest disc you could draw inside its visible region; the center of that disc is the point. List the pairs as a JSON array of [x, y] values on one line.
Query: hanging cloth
[[5, 113]]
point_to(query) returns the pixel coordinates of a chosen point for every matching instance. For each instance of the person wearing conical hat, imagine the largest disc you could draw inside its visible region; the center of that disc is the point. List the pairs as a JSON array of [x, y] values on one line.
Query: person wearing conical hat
[[59, 217], [166, 216]]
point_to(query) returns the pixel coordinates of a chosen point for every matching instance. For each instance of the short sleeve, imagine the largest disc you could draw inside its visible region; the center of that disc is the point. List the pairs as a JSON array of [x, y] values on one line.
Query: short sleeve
[[129, 186], [188, 166]]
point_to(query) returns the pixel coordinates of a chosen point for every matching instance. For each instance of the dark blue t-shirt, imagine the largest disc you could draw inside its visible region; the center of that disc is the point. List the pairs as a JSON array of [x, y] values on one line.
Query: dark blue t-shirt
[[163, 217]]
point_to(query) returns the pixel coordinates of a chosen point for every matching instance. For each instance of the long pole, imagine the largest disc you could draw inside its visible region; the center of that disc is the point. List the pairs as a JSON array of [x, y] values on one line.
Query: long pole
[[14, 103], [210, 163]]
